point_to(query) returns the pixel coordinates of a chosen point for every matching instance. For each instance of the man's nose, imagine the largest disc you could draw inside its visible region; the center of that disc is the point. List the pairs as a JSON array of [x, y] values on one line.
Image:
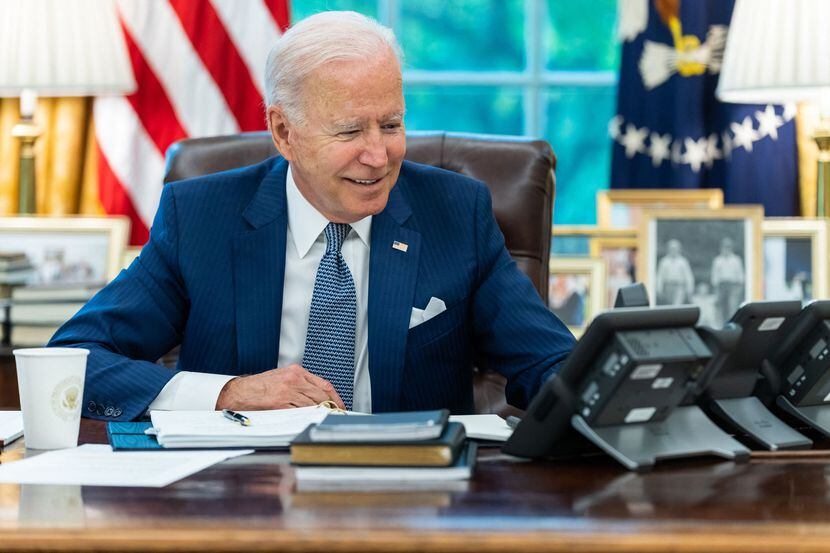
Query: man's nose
[[374, 151]]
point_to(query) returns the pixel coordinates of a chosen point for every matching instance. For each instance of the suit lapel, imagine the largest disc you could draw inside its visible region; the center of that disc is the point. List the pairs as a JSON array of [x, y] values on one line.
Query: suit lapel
[[392, 276], [259, 272]]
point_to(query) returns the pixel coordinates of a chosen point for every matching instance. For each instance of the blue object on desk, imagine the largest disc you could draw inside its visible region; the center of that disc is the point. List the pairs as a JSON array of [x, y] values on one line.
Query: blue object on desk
[[130, 436]]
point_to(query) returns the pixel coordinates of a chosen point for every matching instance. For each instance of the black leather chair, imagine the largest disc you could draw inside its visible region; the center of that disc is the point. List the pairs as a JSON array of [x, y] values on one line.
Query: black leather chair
[[518, 171]]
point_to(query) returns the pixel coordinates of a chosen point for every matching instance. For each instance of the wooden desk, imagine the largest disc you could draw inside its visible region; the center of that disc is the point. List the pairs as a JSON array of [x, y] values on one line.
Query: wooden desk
[[252, 504]]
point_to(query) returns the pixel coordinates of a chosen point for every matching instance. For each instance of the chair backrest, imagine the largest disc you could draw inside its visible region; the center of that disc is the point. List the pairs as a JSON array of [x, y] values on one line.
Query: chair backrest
[[518, 171]]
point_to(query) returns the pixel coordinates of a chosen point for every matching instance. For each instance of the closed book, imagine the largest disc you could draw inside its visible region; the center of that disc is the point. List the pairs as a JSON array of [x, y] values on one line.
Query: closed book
[[32, 335], [439, 452], [383, 427], [52, 312], [461, 469], [80, 292]]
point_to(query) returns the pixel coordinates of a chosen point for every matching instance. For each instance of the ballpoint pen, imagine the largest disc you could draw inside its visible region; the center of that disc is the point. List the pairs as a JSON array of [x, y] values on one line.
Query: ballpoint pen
[[236, 417]]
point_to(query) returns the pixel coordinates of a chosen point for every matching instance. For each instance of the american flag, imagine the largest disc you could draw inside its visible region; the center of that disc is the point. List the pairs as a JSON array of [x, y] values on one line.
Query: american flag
[[199, 65]]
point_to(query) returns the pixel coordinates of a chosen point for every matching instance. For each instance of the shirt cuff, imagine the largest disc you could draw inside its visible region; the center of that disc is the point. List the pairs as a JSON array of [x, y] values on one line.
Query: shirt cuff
[[190, 391]]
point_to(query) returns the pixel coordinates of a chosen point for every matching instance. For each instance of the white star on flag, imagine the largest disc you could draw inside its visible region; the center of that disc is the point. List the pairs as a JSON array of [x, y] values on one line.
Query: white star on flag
[[634, 140], [768, 122], [695, 154], [727, 144], [712, 151], [659, 149], [745, 135]]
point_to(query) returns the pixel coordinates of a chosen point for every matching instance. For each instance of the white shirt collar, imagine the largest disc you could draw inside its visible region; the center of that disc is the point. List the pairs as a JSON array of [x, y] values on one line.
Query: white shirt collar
[[307, 224]]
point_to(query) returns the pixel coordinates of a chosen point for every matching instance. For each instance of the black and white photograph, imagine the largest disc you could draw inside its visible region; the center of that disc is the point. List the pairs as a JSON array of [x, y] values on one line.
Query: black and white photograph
[[709, 262]]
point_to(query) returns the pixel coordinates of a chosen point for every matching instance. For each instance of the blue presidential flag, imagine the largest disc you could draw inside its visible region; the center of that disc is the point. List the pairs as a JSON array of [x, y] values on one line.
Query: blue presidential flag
[[671, 132]]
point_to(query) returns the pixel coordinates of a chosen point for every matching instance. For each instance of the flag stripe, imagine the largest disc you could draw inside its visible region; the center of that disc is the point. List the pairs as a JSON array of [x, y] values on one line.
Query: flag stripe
[[280, 12], [216, 49], [150, 101], [131, 153], [253, 31], [159, 34], [115, 200]]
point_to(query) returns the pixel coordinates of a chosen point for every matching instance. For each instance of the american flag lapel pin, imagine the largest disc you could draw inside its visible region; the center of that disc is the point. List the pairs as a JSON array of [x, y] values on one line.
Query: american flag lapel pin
[[400, 246]]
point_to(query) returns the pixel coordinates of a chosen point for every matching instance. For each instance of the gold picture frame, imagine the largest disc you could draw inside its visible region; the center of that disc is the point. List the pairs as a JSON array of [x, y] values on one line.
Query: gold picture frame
[[777, 257], [708, 258], [576, 301], [620, 256], [609, 201], [67, 249], [590, 235]]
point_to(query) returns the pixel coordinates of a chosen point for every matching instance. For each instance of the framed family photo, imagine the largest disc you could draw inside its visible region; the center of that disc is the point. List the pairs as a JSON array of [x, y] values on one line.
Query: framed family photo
[[576, 291], [66, 250], [711, 259], [620, 256], [795, 258], [624, 208]]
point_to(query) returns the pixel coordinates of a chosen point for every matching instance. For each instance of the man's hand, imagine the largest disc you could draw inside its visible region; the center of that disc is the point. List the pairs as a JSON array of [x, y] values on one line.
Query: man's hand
[[281, 388]]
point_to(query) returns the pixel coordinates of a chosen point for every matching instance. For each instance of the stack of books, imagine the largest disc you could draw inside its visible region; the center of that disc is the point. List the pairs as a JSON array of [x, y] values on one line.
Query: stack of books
[[38, 311], [15, 269], [413, 446]]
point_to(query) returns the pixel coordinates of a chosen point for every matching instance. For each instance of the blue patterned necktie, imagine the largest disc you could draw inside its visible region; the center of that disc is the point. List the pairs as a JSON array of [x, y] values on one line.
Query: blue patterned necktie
[[329, 343]]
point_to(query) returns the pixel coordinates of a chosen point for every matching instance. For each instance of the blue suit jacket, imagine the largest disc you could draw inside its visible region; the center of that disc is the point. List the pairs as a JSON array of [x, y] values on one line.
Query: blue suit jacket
[[211, 278]]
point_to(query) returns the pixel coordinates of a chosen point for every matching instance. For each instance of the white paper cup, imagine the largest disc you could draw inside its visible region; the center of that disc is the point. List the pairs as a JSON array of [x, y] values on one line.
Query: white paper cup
[[51, 384]]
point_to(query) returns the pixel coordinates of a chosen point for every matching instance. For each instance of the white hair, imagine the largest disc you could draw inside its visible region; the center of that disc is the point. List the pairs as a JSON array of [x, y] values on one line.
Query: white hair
[[314, 42]]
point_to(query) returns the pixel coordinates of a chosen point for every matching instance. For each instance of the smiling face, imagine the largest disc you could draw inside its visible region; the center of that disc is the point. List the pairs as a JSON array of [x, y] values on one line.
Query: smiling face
[[347, 154]]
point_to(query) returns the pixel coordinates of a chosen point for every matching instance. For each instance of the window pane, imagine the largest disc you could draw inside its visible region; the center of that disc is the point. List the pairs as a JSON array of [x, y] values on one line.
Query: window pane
[[463, 34], [495, 110], [300, 9], [576, 37], [577, 128]]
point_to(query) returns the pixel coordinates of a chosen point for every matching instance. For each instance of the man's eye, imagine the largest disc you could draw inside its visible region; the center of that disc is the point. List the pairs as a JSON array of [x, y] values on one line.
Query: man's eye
[[392, 126], [348, 133]]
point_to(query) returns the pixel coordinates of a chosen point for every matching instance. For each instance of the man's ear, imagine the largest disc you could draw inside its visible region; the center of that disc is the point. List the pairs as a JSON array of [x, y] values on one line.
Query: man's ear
[[278, 125]]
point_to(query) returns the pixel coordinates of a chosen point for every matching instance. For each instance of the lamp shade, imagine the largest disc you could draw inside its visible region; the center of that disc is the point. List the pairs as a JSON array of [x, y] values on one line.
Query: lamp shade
[[777, 51], [62, 48]]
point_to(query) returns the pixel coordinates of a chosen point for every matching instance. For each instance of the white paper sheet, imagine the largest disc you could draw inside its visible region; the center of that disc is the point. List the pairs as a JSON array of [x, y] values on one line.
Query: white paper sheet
[[98, 465], [484, 427], [11, 426]]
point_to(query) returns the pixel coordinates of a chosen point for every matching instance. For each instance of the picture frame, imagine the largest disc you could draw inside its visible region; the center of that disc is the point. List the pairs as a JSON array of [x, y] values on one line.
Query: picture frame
[[620, 256], [707, 258], [129, 255], [795, 258], [66, 250], [579, 240], [576, 288], [623, 208]]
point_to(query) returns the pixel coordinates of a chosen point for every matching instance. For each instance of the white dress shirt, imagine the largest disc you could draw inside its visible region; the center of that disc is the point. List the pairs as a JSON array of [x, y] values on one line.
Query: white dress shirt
[[305, 246]]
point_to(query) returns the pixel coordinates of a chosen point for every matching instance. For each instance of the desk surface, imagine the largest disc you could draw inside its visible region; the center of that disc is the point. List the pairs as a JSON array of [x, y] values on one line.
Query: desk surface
[[252, 504]]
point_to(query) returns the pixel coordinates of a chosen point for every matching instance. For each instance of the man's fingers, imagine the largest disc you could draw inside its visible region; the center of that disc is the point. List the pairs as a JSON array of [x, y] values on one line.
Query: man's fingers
[[327, 387]]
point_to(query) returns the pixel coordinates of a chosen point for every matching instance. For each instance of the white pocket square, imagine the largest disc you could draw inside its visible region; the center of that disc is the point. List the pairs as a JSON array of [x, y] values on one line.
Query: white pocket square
[[433, 308]]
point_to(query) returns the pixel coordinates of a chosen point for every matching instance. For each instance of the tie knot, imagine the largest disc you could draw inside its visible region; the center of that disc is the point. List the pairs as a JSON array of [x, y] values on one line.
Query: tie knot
[[335, 234]]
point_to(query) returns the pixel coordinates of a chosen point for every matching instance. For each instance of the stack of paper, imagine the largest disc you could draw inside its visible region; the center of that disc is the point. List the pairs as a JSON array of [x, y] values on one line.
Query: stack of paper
[[206, 429]]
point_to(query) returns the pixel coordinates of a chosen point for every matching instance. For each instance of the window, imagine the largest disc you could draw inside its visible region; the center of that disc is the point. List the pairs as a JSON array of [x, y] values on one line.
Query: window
[[543, 68]]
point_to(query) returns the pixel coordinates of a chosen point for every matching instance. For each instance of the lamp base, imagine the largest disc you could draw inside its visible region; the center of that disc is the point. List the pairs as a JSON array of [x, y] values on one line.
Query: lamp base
[[822, 138], [27, 132]]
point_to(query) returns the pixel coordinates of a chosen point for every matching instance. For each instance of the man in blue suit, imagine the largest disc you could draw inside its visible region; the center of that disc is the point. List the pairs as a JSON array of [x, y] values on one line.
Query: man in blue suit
[[337, 271]]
